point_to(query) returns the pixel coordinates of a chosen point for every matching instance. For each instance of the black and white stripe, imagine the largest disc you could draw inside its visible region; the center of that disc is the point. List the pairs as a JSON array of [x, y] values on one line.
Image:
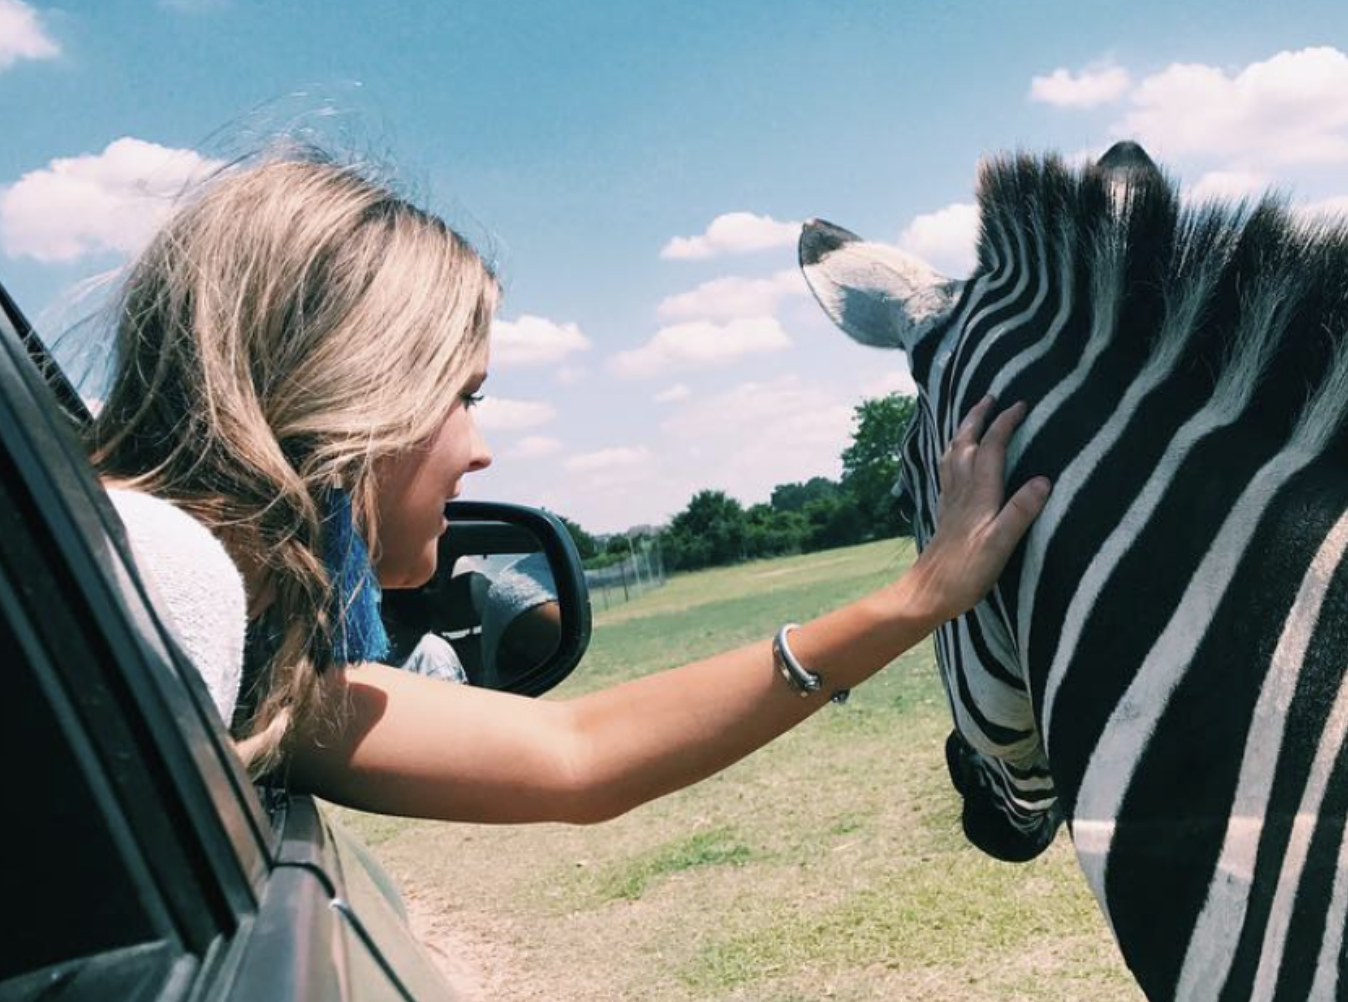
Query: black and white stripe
[[1162, 664]]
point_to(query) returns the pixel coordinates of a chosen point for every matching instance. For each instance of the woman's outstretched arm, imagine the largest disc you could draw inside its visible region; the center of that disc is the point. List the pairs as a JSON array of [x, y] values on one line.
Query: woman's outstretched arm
[[414, 746]]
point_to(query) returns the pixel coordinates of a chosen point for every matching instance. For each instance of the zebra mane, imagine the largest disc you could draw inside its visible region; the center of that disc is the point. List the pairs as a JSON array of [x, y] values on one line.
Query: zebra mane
[[1242, 289]]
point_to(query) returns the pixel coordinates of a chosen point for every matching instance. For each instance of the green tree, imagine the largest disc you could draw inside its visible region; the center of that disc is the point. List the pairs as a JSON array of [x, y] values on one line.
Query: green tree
[[771, 533], [709, 532], [617, 545], [586, 545], [871, 463], [794, 497], [834, 521]]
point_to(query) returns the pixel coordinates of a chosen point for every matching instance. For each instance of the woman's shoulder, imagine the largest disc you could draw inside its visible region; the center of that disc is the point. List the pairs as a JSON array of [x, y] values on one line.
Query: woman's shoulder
[[197, 585]]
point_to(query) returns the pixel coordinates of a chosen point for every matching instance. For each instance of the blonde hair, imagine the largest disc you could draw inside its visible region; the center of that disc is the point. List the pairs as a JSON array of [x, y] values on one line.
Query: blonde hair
[[288, 327]]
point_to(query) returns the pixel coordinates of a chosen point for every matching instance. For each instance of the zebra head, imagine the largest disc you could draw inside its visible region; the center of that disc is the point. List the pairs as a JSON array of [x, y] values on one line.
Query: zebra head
[[1170, 634], [963, 339]]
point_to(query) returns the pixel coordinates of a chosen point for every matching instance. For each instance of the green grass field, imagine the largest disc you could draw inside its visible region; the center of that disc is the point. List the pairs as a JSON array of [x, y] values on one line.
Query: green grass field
[[829, 865]]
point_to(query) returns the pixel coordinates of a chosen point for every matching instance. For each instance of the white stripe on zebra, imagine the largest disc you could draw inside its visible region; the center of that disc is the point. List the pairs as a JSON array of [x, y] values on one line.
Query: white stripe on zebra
[[1007, 326], [989, 283], [1275, 939], [1325, 987], [1175, 334], [1016, 785], [1022, 281], [1045, 344], [997, 637], [993, 697], [1115, 758], [1000, 704], [1255, 341], [951, 353], [1106, 296], [1212, 946]]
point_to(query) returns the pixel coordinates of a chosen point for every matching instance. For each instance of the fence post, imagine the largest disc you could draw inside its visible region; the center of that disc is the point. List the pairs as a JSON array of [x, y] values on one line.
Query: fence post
[[632, 555]]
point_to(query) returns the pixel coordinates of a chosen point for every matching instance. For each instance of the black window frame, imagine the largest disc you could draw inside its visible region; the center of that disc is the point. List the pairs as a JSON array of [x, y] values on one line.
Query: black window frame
[[197, 840]]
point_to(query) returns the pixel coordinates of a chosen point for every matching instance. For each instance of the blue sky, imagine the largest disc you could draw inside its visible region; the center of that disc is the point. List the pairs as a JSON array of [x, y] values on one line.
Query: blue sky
[[637, 171]]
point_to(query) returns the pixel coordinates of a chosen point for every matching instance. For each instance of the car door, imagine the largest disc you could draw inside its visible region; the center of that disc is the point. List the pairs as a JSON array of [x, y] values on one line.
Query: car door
[[141, 862]]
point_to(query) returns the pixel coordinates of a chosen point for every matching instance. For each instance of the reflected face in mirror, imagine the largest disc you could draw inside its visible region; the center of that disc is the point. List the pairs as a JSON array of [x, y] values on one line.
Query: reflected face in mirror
[[516, 599], [492, 620], [413, 487]]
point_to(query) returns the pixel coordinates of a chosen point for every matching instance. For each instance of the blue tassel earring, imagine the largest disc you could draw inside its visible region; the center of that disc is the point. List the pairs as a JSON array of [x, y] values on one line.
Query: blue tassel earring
[[358, 631]]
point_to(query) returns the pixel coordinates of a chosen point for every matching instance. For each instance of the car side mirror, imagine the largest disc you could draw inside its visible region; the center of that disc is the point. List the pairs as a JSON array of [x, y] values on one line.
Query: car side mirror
[[508, 605]]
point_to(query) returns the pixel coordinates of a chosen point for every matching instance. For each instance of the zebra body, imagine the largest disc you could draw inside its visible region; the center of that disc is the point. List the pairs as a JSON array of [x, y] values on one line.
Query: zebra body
[[1162, 663]]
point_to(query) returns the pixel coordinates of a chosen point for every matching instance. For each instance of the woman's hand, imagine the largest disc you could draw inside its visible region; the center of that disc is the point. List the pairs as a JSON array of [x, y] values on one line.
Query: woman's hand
[[975, 532]]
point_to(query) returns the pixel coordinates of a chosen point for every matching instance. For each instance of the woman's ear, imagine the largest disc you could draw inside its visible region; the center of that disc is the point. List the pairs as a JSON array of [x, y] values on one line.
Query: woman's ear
[[879, 295]]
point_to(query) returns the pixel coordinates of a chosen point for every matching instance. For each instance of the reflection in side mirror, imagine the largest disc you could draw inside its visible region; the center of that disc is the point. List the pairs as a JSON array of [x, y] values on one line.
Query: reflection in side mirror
[[507, 608]]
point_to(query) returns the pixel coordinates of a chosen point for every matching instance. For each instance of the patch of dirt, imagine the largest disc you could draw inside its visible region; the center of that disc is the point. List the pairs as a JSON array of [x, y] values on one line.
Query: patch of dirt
[[479, 962], [813, 566]]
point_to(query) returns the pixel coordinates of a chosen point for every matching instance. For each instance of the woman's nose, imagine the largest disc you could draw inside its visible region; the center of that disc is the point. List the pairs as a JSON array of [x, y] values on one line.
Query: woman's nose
[[481, 455]]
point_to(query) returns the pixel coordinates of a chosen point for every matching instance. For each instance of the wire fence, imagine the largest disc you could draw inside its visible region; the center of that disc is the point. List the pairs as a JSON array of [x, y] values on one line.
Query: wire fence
[[642, 570]]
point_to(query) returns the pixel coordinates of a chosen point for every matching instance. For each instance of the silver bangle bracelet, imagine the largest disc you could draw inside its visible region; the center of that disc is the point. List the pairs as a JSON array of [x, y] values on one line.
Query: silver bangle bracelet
[[802, 681]]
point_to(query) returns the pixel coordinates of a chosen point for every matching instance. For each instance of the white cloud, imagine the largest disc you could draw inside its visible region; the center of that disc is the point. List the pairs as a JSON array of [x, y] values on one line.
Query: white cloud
[[532, 340], [1326, 209], [534, 447], [674, 394], [895, 381], [700, 343], [1087, 89], [22, 35], [946, 239], [733, 233], [1289, 109], [112, 201], [499, 414], [609, 459], [760, 434], [731, 297], [569, 374], [1084, 157], [1228, 184]]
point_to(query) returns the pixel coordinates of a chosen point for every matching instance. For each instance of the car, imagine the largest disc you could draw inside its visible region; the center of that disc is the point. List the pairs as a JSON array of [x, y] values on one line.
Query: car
[[142, 862]]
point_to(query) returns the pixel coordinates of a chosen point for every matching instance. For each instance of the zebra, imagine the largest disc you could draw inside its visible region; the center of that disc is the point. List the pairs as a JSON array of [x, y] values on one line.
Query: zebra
[[1162, 664]]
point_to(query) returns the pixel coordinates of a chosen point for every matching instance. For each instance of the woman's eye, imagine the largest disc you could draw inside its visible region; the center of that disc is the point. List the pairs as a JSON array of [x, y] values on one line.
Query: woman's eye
[[472, 399]]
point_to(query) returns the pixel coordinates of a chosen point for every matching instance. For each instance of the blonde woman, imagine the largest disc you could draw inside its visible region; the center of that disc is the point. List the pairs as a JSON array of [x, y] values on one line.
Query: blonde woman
[[299, 352]]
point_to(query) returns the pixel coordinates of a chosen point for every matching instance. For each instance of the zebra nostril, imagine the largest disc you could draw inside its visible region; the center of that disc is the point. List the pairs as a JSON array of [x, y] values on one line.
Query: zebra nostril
[[819, 238]]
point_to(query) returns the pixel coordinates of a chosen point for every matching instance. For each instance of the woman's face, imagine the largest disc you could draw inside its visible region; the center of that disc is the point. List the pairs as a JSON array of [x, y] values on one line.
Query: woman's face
[[413, 489]]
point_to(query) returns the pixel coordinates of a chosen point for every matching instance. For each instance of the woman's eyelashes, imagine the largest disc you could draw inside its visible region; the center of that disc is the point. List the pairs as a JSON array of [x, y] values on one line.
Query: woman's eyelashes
[[473, 399]]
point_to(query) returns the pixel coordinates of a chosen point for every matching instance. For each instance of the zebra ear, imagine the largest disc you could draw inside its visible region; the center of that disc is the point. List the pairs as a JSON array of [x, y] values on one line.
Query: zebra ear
[[877, 294], [1127, 157], [1125, 166]]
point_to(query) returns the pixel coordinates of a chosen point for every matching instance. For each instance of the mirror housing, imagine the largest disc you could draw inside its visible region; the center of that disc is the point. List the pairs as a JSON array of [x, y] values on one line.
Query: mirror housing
[[508, 598]]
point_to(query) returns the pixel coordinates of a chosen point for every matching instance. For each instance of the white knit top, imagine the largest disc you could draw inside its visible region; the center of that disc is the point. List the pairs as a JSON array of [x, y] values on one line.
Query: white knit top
[[200, 592]]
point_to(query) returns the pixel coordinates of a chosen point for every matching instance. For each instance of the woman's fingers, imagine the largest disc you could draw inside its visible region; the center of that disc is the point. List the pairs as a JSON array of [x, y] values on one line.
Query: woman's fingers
[[975, 452], [977, 530], [958, 459], [1016, 516], [1006, 423], [971, 428], [992, 449]]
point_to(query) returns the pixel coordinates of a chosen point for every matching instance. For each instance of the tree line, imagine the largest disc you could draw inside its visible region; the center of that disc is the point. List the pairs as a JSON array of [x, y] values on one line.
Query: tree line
[[716, 529]]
